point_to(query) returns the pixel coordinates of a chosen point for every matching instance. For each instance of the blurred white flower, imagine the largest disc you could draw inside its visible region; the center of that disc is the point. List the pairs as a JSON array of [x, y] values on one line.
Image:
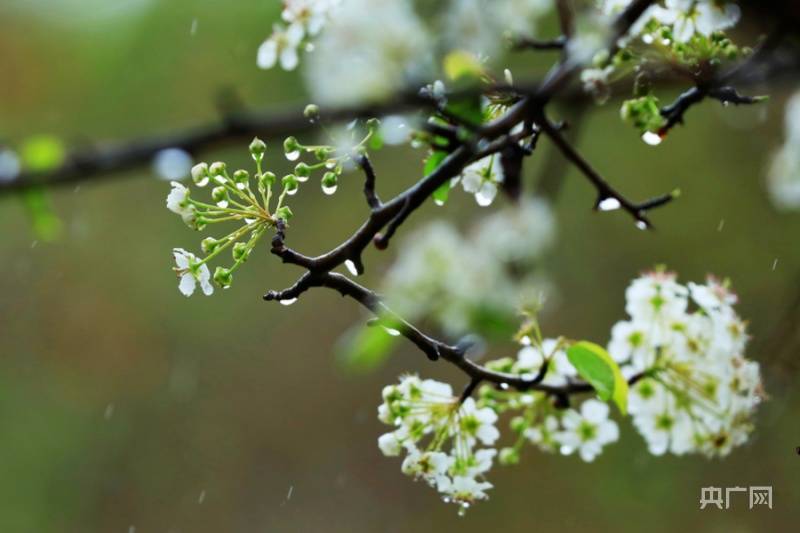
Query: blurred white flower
[[281, 47]]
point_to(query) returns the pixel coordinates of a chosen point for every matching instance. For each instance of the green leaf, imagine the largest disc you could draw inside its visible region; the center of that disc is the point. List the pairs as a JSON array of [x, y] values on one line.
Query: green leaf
[[441, 194], [596, 366], [42, 153], [46, 224], [364, 348], [433, 161], [461, 64], [467, 108]]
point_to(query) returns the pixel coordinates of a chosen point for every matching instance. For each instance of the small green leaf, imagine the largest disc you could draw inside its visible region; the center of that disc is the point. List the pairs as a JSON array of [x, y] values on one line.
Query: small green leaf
[[433, 161], [461, 64], [364, 348], [596, 366], [441, 194], [42, 153], [467, 108]]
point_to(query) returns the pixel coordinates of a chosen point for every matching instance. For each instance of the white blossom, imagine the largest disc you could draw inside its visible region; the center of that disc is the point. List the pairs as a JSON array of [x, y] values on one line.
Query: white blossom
[[588, 431], [178, 202], [482, 178], [281, 47], [191, 272]]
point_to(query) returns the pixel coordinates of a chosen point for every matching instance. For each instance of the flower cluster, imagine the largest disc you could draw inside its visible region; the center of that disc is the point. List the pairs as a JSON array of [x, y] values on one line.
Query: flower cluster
[[239, 198], [233, 199], [304, 19], [686, 34], [478, 281], [440, 437], [682, 349], [784, 173], [699, 391], [372, 48]]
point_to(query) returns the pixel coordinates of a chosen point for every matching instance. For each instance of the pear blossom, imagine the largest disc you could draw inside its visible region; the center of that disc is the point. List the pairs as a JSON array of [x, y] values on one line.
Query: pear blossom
[[191, 272], [465, 490], [178, 202], [481, 178], [698, 16], [475, 423], [310, 14], [588, 431], [281, 47]]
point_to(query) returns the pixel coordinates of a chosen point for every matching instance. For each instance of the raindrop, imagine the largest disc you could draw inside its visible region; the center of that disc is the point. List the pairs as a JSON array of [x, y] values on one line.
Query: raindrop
[[329, 190], [109, 412], [775, 264], [249, 220], [172, 164], [222, 203], [391, 331], [608, 204], [446, 499], [652, 138], [202, 497], [288, 301], [721, 225], [565, 450], [641, 224], [351, 266], [438, 202], [302, 179], [527, 376], [525, 341], [34, 244], [241, 186], [330, 164], [462, 511], [726, 103], [292, 156], [293, 191], [647, 38], [289, 494], [193, 29], [504, 386]]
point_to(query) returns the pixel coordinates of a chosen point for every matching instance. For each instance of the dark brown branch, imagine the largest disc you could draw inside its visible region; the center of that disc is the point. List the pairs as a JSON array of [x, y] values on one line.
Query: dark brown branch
[[527, 43], [369, 182], [604, 189]]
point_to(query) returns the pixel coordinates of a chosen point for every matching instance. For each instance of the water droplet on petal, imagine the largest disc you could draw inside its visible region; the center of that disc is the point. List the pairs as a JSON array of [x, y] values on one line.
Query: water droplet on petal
[[302, 179], [292, 156], [292, 192], [652, 138], [288, 301], [609, 204], [351, 266], [329, 190], [647, 38]]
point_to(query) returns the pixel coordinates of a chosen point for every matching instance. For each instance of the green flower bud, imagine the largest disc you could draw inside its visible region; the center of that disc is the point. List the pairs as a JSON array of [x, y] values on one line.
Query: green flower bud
[[302, 170], [257, 148], [508, 456], [223, 277], [241, 176], [219, 194], [322, 153], [265, 181], [291, 148], [518, 424], [290, 183], [311, 112], [209, 244], [217, 168], [240, 252], [284, 212]]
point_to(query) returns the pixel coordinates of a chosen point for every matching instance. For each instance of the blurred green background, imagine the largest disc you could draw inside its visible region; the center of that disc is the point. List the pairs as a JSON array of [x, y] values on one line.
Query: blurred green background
[[125, 406]]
